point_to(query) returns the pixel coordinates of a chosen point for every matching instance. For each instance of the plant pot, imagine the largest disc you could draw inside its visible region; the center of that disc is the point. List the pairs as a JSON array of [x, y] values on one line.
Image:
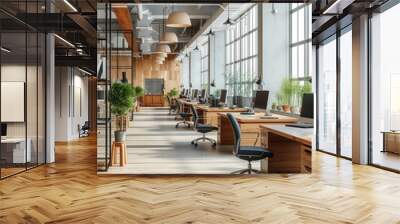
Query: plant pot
[[286, 108], [279, 108], [120, 136], [273, 107], [294, 110]]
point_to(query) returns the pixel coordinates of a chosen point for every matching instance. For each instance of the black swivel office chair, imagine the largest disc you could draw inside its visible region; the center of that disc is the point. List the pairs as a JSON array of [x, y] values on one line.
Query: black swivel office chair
[[249, 153], [183, 115], [202, 128], [172, 104]]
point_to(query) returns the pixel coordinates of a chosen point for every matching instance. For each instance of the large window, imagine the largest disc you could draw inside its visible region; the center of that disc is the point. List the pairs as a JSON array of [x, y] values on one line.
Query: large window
[[241, 55], [385, 89], [204, 65], [300, 41]]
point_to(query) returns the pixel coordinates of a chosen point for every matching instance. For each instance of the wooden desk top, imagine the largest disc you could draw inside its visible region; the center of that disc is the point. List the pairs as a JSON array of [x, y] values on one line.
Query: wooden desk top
[[302, 135], [220, 109], [257, 118]]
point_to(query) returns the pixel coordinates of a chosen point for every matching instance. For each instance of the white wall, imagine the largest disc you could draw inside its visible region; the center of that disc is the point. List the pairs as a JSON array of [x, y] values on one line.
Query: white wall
[[195, 69], [274, 47], [71, 87], [217, 60], [185, 72]]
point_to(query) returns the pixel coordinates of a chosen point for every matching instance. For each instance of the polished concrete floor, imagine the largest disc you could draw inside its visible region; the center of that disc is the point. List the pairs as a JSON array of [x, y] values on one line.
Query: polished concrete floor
[[155, 146]]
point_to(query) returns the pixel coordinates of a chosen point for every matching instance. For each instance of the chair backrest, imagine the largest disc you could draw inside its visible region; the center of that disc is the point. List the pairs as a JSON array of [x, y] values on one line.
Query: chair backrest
[[236, 132], [195, 115], [169, 101]]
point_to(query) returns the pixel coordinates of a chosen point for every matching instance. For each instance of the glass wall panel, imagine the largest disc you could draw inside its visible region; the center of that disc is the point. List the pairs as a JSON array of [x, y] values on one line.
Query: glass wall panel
[[385, 89], [346, 94], [327, 96]]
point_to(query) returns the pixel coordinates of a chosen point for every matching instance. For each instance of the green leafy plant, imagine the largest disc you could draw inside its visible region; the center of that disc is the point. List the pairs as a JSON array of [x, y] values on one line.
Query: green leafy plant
[[121, 96], [139, 91], [173, 93]]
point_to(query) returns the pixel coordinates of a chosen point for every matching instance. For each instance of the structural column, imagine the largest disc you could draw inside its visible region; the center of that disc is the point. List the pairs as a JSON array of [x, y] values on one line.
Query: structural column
[[360, 90]]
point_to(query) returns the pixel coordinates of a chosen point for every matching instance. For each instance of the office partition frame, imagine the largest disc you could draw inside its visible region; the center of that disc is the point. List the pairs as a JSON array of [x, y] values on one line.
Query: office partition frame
[[40, 52], [105, 39]]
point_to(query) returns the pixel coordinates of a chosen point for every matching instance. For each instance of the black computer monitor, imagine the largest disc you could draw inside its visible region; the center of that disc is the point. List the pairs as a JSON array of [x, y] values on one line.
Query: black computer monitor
[[238, 101], [195, 93], [203, 94], [186, 92], [261, 99], [3, 129], [222, 98], [307, 106], [183, 92]]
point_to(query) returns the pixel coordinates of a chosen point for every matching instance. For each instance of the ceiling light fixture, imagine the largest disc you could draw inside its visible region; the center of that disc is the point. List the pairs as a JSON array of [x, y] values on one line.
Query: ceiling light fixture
[[163, 48], [84, 71], [64, 40], [179, 20], [5, 49], [70, 5], [169, 38], [210, 33], [228, 23]]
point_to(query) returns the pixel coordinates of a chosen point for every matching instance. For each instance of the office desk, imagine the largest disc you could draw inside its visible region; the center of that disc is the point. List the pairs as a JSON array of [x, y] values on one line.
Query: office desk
[[13, 150], [210, 114], [249, 126], [291, 148], [187, 105]]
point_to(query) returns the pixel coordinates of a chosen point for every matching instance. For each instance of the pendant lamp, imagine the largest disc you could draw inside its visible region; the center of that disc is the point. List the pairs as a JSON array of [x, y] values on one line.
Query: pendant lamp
[[179, 20], [169, 38], [163, 48]]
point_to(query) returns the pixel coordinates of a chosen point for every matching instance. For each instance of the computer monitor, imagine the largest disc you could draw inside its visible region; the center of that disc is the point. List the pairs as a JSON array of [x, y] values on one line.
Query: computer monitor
[[238, 101], [195, 93], [3, 130], [183, 91], [307, 106], [261, 99], [203, 94], [222, 98]]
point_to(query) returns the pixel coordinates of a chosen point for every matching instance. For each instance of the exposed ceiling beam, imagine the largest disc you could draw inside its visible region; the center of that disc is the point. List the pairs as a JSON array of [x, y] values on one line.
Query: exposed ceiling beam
[[124, 20]]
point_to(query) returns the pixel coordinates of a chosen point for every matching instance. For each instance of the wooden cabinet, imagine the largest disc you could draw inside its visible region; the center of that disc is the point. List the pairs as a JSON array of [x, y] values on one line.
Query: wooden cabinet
[[291, 148], [153, 101]]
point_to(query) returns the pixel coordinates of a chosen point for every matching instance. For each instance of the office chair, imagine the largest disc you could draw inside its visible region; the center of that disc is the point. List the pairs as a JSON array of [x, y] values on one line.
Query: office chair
[[171, 104], [248, 153], [183, 115], [202, 128], [84, 129]]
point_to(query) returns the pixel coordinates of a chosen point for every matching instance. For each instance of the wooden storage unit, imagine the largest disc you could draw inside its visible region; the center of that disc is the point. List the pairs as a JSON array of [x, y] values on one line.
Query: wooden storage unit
[[391, 142], [153, 101], [249, 127], [291, 148]]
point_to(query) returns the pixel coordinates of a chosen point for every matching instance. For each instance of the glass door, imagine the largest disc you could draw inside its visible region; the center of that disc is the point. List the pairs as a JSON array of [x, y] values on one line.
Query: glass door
[[327, 94]]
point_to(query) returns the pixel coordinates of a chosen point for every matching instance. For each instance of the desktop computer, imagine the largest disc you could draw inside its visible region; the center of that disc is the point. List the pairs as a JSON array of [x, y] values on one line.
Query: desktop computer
[[307, 111], [195, 94], [260, 102], [3, 131], [222, 98]]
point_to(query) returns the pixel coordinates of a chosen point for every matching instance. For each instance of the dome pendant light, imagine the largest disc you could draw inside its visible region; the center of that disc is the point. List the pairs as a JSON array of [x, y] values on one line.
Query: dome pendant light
[[178, 20], [168, 37], [163, 48], [228, 23]]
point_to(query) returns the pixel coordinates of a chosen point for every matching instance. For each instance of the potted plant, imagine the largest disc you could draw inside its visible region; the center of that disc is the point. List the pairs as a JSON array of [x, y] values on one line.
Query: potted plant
[[139, 92], [121, 97], [173, 93], [286, 95]]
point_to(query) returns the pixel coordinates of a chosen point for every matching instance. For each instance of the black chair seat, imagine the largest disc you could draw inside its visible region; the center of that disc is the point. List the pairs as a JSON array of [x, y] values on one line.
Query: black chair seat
[[253, 153], [185, 114], [205, 128]]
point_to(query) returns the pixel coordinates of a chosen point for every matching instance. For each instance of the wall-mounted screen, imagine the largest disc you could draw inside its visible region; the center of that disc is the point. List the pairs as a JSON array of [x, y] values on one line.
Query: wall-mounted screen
[[12, 101]]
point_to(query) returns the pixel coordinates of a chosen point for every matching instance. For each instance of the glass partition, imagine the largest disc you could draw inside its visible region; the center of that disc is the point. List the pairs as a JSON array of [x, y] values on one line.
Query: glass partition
[[22, 94]]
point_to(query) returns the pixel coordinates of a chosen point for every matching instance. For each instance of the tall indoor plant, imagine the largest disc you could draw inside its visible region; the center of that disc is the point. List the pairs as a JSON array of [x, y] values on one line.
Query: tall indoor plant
[[122, 99], [139, 92]]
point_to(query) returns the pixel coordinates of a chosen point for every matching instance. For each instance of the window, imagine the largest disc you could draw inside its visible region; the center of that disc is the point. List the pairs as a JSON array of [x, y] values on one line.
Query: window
[[204, 65], [385, 89], [300, 41], [241, 55]]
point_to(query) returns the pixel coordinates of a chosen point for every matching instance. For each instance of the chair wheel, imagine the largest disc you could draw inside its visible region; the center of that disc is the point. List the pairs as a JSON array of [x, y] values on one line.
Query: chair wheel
[[195, 144]]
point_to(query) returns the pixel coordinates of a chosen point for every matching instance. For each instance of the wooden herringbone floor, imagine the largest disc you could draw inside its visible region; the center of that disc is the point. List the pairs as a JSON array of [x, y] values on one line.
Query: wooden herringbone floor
[[71, 192]]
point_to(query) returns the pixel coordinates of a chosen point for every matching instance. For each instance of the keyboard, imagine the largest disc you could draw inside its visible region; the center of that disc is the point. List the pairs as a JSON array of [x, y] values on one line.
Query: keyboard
[[247, 113], [300, 125]]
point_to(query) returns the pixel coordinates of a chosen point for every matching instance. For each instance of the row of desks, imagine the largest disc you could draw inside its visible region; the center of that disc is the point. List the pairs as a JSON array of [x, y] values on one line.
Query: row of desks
[[291, 146]]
